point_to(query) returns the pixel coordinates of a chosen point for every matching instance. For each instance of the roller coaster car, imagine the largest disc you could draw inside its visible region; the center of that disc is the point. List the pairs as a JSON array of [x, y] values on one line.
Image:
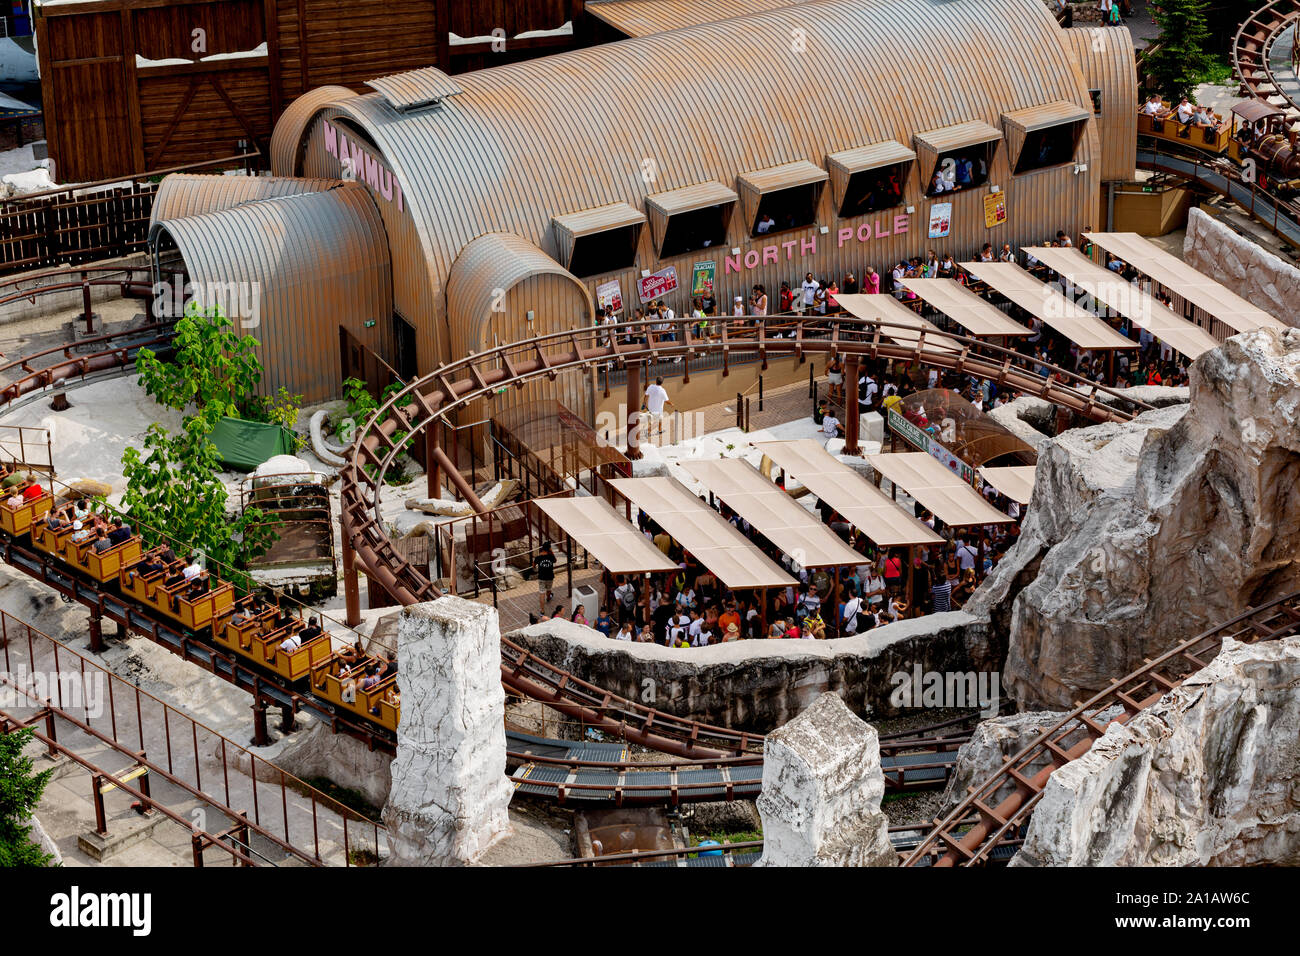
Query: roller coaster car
[[374, 704], [1212, 139], [104, 565], [17, 520], [239, 637], [291, 665]]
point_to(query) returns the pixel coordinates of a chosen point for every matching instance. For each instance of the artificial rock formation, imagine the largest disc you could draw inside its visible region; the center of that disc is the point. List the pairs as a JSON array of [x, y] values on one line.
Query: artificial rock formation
[[991, 744], [449, 796], [1261, 278], [822, 786], [1152, 531], [1206, 776]]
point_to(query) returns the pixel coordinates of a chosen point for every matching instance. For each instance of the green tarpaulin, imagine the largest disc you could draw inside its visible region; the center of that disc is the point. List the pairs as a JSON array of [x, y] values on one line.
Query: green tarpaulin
[[245, 445]]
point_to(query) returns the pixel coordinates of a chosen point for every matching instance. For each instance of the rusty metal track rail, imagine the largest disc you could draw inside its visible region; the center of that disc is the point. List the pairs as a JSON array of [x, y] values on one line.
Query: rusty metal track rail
[[112, 351], [1004, 802], [1250, 48], [428, 400]]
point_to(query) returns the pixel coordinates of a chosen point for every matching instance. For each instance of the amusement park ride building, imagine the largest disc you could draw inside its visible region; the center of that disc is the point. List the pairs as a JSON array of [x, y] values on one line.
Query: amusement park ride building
[[490, 188]]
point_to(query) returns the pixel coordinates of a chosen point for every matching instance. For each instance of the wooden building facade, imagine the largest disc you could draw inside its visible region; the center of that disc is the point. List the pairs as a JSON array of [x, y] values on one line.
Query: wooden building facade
[[133, 85]]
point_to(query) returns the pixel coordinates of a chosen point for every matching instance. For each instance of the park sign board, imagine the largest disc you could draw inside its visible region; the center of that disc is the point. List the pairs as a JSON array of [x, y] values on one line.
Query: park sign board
[[916, 437]]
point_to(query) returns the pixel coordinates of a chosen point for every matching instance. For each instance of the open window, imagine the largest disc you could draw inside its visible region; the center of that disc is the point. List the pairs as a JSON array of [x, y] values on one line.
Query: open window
[[956, 158], [599, 241], [781, 198], [869, 178], [1044, 136], [691, 218], [1095, 96]]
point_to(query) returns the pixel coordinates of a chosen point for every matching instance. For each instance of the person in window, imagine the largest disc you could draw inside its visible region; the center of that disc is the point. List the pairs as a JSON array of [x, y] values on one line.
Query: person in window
[[765, 224], [965, 172], [939, 184]]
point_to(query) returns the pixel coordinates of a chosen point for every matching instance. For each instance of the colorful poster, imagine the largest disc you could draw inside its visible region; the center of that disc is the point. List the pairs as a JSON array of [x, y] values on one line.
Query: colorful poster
[[658, 285], [940, 220], [702, 275], [995, 209], [609, 293]]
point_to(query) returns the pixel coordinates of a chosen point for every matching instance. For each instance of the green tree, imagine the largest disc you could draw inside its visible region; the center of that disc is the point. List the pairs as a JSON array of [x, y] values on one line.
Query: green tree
[[20, 792], [1180, 61], [172, 481]]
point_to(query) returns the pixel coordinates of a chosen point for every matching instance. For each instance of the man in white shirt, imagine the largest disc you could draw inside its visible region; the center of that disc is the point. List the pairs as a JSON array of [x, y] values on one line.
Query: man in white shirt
[[765, 224], [656, 397], [966, 556], [830, 427], [1185, 111], [808, 293], [291, 643]]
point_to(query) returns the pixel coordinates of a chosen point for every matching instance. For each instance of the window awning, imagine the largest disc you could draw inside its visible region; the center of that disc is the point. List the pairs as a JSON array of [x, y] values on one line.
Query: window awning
[[606, 535], [1019, 123], [938, 489], [860, 502], [753, 185], [888, 309], [1014, 481], [844, 164], [1141, 308], [700, 530], [1047, 303], [663, 206], [572, 226], [931, 144], [415, 88], [974, 313], [1182, 280], [782, 520]]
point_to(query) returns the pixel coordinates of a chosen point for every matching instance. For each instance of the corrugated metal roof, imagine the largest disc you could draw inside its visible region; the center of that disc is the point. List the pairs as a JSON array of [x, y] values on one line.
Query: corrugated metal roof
[[1105, 59], [785, 176], [1054, 113], [699, 529], [1181, 279], [308, 264], [970, 133], [973, 312], [938, 489], [782, 520], [638, 18], [1141, 308], [595, 525], [288, 139], [860, 502], [862, 158], [193, 194], [415, 88], [1046, 302]]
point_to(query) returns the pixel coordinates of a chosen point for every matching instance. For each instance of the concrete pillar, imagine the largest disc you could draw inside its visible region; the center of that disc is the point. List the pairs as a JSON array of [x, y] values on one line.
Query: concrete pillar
[[449, 796], [822, 786], [633, 423], [851, 424]]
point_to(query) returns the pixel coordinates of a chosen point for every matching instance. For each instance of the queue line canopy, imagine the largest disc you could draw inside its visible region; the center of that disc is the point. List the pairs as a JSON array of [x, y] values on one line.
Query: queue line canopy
[[938, 489], [782, 520], [715, 543], [974, 313], [1181, 279], [860, 502], [1047, 303], [606, 535], [1139, 307], [888, 309], [1014, 481]]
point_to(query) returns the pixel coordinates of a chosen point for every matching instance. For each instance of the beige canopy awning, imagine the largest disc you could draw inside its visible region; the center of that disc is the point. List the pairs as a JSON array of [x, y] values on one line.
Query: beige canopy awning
[[571, 227], [937, 488], [595, 525], [861, 503], [1141, 308], [787, 524], [754, 185], [1181, 279], [972, 312], [663, 206], [699, 529], [1048, 303], [888, 309], [844, 164], [1014, 481], [1020, 123]]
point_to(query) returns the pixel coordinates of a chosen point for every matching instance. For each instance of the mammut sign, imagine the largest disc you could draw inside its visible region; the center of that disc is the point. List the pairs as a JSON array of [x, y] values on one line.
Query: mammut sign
[[358, 164], [771, 255]]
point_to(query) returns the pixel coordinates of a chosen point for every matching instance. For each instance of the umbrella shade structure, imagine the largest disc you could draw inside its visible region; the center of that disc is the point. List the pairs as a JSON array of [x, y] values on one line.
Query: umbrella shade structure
[[699, 529], [860, 502], [606, 535], [782, 520], [938, 489]]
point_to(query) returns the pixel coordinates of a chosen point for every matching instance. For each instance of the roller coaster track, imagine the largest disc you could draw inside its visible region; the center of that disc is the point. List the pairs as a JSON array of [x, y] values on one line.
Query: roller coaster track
[[1267, 71], [1282, 217], [452, 386], [1003, 804]]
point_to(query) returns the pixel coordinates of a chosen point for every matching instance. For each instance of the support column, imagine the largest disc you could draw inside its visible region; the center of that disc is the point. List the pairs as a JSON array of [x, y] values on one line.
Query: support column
[[449, 796], [96, 628], [633, 400], [457, 480], [851, 418], [433, 485], [351, 589]]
